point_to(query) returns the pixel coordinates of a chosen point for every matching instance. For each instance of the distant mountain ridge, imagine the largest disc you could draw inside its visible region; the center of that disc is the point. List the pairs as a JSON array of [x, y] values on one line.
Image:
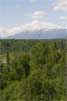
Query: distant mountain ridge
[[40, 34]]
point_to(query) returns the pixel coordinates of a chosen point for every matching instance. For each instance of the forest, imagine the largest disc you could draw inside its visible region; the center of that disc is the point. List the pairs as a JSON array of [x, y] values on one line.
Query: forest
[[33, 70]]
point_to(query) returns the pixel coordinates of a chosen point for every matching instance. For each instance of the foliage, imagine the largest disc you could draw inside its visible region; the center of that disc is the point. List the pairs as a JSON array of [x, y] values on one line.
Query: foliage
[[34, 70]]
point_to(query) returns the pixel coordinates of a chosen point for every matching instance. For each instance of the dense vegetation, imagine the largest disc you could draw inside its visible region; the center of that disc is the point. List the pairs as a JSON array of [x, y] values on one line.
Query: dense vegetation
[[32, 70]]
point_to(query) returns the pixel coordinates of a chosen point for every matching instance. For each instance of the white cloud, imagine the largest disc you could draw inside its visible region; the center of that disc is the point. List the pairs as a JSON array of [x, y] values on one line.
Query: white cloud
[[32, 26], [33, 1], [61, 5], [63, 18], [18, 6], [39, 15]]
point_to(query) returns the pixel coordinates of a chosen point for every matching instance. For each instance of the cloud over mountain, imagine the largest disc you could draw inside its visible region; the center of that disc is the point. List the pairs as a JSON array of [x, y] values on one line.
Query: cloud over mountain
[[40, 34], [35, 25]]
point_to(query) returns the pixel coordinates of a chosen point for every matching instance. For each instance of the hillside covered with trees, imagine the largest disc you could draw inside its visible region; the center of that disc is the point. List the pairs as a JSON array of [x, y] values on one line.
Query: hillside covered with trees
[[32, 70]]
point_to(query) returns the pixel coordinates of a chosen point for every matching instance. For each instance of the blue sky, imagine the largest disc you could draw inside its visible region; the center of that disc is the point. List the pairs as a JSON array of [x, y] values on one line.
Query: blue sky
[[17, 13]]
